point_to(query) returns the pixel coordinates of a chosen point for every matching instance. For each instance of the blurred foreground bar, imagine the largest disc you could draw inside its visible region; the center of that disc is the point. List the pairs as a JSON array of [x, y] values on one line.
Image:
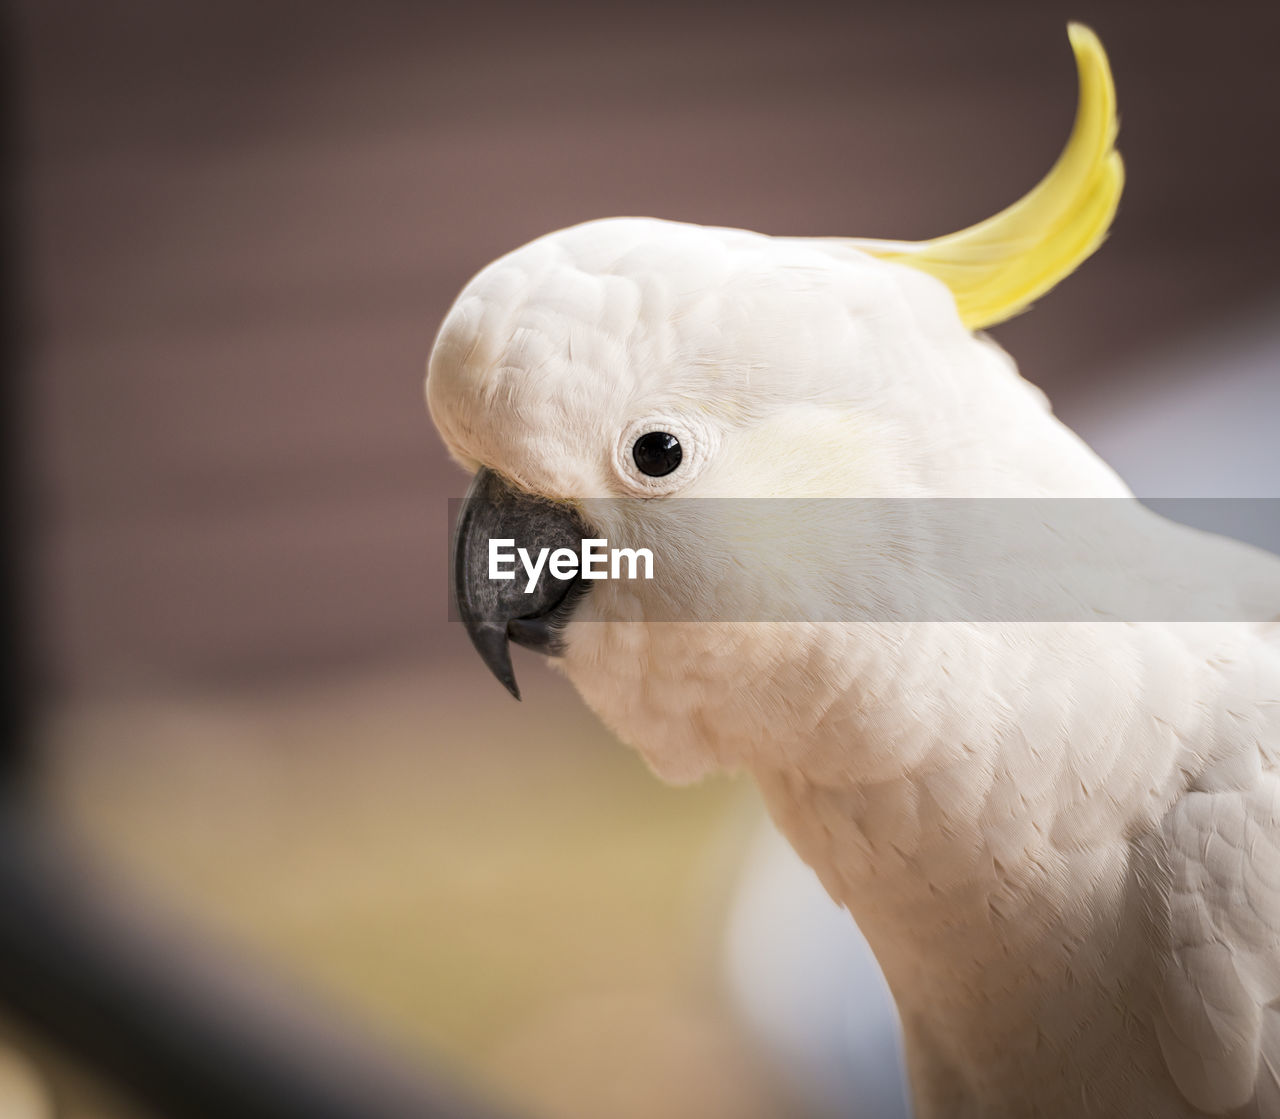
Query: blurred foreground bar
[[174, 1026]]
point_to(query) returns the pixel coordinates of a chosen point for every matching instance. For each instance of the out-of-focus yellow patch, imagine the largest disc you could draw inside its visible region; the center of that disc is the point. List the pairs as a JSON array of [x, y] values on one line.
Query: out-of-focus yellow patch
[[496, 883]]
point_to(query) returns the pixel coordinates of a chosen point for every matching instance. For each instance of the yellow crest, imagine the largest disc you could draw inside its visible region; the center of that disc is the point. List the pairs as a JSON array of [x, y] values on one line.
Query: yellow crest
[[997, 267]]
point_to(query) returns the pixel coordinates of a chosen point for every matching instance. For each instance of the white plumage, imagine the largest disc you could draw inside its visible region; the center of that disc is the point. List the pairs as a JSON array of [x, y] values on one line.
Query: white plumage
[[1059, 838]]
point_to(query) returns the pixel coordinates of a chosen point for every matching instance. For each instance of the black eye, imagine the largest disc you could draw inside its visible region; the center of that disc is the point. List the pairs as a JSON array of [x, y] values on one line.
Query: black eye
[[657, 453]]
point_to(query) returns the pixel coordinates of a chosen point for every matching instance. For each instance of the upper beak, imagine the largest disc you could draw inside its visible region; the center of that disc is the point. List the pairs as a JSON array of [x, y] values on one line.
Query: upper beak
[[497, 611]]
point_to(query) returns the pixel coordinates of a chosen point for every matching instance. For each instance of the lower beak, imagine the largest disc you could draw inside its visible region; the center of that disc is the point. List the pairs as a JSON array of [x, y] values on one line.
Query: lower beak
[[498, 611]]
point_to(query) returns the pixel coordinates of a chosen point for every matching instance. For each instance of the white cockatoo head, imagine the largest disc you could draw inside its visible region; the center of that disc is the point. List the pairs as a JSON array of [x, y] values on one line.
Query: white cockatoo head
[[600, 375]]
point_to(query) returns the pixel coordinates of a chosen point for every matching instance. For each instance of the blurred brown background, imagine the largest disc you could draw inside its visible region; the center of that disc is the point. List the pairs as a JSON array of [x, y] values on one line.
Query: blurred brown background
[[241, 225], [244, 223]]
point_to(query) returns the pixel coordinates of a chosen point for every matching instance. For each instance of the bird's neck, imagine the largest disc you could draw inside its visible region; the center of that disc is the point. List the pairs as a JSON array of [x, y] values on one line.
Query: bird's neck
[[983, 822], [1008, 976]]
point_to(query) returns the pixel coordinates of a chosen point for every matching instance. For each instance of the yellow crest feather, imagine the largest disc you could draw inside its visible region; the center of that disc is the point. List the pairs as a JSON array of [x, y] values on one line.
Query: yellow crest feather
[[997, 267]]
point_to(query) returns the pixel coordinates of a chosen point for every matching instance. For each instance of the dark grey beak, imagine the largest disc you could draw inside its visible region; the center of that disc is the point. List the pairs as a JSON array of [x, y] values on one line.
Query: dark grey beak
[[497, 611]]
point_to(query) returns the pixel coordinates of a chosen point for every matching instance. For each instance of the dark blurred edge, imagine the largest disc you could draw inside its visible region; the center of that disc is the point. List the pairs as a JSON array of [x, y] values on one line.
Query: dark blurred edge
[[15, 628], [169, 1025]]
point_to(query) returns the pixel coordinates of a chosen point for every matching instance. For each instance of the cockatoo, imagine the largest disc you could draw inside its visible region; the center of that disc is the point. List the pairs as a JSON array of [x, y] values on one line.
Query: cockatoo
[[1061, 838]]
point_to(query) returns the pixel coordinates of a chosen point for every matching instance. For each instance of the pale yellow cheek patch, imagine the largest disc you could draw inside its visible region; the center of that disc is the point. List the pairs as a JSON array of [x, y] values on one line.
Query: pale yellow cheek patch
[[995, 269], [807, 451]]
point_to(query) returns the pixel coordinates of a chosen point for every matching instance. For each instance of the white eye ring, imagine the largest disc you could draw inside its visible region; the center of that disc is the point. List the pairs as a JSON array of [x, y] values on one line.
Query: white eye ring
[[697, 441]]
